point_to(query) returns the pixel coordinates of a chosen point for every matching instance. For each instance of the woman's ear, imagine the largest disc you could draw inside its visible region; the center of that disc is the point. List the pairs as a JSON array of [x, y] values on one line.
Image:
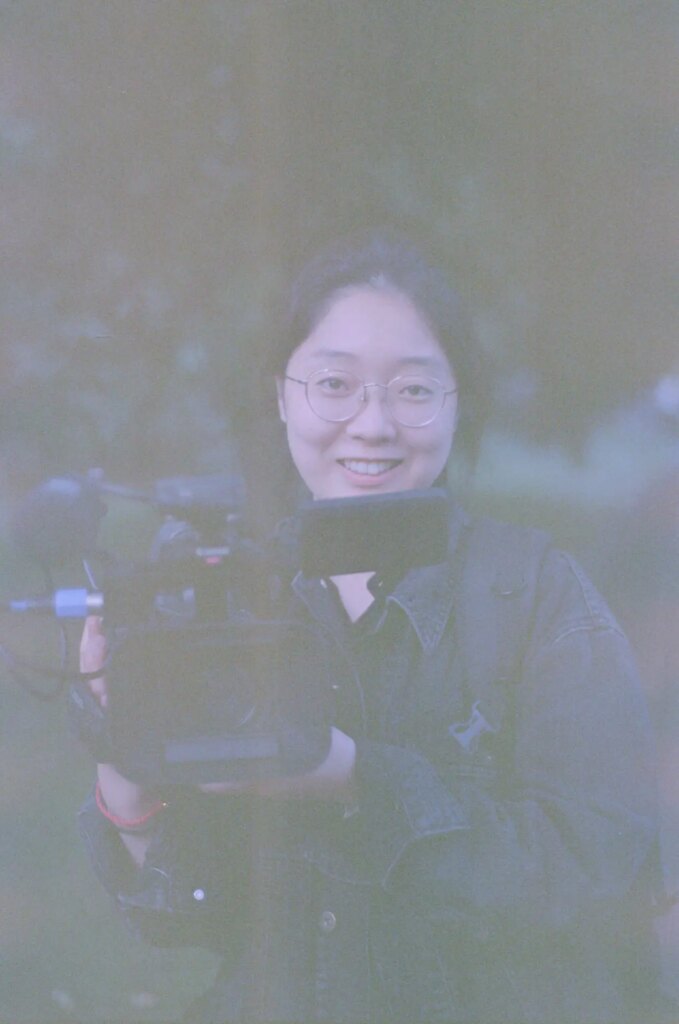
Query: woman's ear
[[280, 392]]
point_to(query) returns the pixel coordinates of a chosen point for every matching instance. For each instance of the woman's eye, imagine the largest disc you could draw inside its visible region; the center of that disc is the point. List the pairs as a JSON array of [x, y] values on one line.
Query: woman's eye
[[334, 385], [416, 391]]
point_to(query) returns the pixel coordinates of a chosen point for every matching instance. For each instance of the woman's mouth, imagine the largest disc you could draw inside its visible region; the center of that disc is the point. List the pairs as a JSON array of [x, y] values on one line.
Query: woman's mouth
[[369, 467]]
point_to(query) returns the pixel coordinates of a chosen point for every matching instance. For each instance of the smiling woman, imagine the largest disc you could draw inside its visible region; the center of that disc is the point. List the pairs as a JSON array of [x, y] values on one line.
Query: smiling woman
[[414, 308], [359, 371], [478, 843]]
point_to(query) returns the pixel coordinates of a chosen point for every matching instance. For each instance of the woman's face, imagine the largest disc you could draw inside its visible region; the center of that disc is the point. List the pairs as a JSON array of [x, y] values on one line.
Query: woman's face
[[377, 335]]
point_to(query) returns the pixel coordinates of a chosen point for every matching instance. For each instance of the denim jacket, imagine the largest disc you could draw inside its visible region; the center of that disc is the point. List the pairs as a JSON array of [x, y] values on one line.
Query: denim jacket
[[495, 867]]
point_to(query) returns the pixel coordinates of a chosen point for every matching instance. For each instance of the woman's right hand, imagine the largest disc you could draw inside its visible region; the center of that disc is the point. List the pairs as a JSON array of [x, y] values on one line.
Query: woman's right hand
[[93, 656], [125, 799]]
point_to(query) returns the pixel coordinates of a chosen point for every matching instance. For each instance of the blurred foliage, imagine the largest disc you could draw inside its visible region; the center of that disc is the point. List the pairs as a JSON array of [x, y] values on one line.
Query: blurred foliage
[[165, 165]]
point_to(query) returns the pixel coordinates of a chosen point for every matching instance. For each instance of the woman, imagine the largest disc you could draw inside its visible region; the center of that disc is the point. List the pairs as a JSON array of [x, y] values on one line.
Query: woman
[[469, 850]]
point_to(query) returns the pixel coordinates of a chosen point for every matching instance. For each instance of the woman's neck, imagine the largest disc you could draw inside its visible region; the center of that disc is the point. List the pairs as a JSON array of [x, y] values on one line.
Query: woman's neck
[[354, 593]]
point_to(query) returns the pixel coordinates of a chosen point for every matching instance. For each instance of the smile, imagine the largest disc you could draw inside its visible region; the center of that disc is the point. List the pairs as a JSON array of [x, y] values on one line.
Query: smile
[[369, 467]]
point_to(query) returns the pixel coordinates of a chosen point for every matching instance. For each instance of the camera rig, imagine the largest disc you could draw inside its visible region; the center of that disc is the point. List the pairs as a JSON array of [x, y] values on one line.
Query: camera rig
[[213, 672]]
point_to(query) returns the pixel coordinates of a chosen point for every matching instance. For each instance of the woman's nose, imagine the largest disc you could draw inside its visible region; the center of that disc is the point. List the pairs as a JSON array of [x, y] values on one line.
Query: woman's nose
[[374, 419]]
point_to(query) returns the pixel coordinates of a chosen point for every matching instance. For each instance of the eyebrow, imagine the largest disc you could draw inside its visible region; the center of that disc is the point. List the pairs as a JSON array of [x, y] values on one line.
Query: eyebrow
[[333, 353]]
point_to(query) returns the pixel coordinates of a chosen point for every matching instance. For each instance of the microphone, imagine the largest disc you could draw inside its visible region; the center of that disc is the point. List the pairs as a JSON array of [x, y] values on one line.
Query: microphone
[[69, 603], [59, 520]]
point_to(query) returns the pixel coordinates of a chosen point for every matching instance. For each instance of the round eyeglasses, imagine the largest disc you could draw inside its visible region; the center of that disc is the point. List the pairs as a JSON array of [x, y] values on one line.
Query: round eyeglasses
[[337, 396]]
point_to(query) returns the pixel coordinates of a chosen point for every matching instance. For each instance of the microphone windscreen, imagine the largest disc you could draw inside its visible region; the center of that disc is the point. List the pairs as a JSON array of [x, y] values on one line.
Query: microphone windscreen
[[58, 521]]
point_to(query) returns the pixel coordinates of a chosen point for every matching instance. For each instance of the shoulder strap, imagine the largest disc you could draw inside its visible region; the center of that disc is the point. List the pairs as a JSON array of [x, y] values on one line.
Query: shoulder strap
[[496, 598]]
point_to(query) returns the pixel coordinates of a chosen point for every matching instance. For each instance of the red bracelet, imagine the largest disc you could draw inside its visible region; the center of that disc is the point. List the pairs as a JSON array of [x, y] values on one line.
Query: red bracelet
[[123, 824]]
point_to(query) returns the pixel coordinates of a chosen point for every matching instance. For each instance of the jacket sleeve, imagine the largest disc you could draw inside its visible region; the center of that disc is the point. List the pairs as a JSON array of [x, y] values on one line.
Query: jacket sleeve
[[191, 887], [567, 826]]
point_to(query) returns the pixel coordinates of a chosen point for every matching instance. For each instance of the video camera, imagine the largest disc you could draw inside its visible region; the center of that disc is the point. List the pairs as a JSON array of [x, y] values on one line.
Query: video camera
[[213, 671]]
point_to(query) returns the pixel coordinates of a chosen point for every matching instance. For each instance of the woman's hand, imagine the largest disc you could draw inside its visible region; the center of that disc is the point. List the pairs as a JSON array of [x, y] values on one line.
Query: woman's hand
[[93, 656], [333, 779], [125, 799]]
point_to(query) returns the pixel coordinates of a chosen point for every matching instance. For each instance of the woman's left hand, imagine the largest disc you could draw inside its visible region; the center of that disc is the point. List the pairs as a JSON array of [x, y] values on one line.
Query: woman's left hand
[[333, 779]]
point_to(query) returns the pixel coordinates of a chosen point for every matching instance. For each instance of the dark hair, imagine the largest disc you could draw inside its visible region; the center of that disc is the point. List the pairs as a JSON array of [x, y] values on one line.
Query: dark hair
[[384, 260]]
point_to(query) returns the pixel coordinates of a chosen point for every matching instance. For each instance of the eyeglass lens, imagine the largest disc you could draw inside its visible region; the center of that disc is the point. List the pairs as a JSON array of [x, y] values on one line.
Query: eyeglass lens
[[337, 395]]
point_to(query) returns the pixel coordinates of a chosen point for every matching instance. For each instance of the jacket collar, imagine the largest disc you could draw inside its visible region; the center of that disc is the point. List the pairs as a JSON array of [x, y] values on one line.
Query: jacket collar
[[426, 594]]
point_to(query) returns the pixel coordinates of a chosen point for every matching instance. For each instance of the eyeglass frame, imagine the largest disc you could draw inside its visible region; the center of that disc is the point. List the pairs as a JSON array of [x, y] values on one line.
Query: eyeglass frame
[[371, 384]]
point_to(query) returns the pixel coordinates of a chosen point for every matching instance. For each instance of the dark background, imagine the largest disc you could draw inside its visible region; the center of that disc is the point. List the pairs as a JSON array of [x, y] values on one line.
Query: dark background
[[165, 165]]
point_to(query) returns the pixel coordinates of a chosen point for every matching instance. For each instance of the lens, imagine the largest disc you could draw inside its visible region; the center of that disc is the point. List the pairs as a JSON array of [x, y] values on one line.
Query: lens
[[334, 395], [415, 401]]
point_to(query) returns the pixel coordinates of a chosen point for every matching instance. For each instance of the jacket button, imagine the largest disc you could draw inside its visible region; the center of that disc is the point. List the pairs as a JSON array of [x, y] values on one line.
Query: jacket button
[[328, 921]]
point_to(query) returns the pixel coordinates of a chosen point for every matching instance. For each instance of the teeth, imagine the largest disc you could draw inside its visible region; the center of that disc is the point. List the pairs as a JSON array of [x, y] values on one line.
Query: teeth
[[372, 468]]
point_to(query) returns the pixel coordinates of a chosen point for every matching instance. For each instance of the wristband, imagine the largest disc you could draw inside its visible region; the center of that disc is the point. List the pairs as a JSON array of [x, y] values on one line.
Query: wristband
[[132, 826]]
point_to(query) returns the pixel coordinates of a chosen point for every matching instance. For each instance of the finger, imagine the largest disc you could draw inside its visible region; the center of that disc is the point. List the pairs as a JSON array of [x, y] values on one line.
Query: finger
[[93, 627], [93, 657], [87, 634], [99, 691]]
